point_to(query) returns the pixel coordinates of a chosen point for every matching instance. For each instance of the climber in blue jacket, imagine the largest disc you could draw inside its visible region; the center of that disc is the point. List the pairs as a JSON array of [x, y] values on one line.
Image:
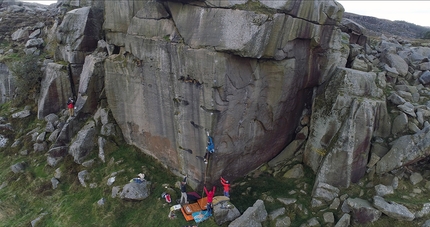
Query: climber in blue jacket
[[210, 148]]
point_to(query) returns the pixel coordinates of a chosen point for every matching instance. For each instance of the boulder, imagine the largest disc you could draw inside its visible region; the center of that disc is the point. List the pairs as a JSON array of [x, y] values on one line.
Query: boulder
[[287, 153], [101, 142], [347, 114], [39, 147], [362, 210], [426, 223], [399, 124], [424, 211], [406, 150], [82, 177], [344, 221], [83, 142], [425, 77], [296, 172], [396, 99], [3, 141], [425, 66], [76, 41], [56, 154], [392, 209], [252, 217], [54, 182], [18, 167], [395, 61], [102, 116], [416, 178], [34, 34], [54, 90], [408, 108], [38, 42], [135, 191], [20, 34], [328, 217], [225, 212], [325, 192], [383, 190], [53, 135], [35, 222], [418, 54], [283, 222], [276, 213], [91, 84], [357, 33], [287, 201], [21, 114]]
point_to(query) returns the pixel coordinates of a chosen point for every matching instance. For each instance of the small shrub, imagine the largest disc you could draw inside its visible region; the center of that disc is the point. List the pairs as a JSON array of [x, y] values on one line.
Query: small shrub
[[28, 78], [426, 35]]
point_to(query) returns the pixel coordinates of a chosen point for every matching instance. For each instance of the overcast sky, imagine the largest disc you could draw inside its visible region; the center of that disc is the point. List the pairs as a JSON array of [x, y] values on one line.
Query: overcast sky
[[417, 12], [45, 2]]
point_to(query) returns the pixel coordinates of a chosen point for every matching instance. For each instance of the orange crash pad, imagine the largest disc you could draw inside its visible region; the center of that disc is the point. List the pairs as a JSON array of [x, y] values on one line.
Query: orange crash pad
[[203, 202], [188, 217], [191, 208]]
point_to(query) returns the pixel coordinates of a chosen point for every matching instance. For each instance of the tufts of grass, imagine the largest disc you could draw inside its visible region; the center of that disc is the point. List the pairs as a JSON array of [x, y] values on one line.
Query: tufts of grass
[[30, 195], [255, 6]]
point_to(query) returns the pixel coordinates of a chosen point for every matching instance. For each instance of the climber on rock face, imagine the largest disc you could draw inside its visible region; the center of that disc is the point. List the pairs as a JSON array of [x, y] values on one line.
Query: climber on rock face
[[210, 148]]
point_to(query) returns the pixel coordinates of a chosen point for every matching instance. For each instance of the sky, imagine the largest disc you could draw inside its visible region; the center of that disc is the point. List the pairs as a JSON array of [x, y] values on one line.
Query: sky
[[417, 12], [45, 2]]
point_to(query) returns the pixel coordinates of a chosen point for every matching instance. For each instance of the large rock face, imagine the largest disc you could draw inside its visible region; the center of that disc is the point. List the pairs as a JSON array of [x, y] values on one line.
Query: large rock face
[[78, 33], [345, 119], [55, 90], [241, 75]]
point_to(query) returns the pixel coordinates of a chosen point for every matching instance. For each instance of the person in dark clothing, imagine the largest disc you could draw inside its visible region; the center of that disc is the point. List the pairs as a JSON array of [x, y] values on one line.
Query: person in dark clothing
[[184, 190]]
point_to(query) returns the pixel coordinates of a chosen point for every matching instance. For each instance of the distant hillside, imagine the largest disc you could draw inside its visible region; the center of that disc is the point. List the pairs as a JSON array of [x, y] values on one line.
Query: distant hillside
[[379, 26]]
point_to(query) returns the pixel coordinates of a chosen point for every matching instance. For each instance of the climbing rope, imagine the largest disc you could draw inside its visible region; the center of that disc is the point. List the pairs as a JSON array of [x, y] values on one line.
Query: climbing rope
[[206, 172]]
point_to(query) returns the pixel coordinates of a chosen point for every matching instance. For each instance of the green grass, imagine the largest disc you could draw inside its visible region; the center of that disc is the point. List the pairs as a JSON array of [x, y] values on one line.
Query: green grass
[[29, 194]]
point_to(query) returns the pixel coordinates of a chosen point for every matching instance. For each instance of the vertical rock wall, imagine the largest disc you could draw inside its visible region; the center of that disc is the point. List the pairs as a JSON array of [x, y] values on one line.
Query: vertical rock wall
[[347, 114], [242, 75]]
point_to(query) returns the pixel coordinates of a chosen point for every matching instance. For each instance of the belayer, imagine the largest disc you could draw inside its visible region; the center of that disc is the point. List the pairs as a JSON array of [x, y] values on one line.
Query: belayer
[[210, 196], [184, 189], [226, 185]]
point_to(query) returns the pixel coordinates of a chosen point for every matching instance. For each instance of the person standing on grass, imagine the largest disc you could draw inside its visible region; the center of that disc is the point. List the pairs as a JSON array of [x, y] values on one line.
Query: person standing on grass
[[184, 189], [210, 197], [226, 185]]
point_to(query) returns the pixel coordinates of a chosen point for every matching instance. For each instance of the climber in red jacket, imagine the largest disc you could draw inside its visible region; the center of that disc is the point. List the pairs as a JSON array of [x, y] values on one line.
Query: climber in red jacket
[[226, 185], [210, 196], [71, 106]]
